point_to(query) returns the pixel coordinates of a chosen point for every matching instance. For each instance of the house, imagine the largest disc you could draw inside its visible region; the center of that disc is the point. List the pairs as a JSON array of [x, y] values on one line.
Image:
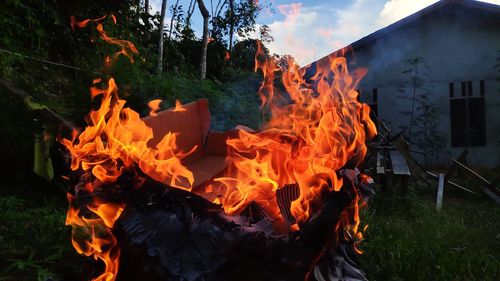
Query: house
[[438, 70]]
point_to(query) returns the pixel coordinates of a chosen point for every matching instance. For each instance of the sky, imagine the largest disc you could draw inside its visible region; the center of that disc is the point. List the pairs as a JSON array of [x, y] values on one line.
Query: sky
[[309, 30]]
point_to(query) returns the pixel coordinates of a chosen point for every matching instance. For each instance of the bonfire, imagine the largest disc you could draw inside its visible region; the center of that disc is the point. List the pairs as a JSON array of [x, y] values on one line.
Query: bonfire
[[285, 206]]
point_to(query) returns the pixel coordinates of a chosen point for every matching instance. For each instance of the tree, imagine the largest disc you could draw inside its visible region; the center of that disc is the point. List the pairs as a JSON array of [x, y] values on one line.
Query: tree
[[422, 129], [231, 25], [265, 34], [239, 17], [190, 11], [244, 54], [146, 7], [176, 13], [159, 64], [138, 9], [206, 16]]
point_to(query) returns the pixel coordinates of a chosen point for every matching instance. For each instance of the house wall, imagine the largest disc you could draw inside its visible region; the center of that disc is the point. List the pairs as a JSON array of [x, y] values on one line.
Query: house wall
[[457, 44]]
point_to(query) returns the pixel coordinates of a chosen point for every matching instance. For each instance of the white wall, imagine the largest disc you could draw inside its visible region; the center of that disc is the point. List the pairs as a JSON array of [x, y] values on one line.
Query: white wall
[[457, 45]]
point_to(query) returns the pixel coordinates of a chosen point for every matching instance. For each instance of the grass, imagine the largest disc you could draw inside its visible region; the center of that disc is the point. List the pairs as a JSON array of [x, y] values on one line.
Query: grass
[[407, 239], [34, 242]]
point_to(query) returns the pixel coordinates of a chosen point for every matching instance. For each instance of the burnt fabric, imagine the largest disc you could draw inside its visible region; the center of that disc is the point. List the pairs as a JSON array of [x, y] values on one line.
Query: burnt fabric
[[177, 235]]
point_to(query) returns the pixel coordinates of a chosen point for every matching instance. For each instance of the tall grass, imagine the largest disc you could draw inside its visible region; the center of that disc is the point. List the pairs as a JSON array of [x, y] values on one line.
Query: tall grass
[[407, 239]]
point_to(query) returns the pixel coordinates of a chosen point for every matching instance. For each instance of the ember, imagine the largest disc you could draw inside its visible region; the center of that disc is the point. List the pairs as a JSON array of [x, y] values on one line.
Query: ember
[[309, 149]]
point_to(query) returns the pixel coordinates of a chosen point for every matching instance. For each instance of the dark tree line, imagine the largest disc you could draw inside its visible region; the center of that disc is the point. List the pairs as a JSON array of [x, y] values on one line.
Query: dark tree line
[[166, 41], [55, 64], [222, 21]]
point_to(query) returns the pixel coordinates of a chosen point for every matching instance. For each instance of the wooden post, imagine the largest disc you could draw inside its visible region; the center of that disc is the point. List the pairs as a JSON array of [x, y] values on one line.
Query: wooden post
[[439, 199]]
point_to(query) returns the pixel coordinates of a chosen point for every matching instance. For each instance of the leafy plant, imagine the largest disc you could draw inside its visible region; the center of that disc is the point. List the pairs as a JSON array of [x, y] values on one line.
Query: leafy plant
[[423, 114]]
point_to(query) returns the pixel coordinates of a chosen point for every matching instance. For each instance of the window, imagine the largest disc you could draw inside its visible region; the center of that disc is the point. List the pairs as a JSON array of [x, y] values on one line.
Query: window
[[467, 116], [372, 101]]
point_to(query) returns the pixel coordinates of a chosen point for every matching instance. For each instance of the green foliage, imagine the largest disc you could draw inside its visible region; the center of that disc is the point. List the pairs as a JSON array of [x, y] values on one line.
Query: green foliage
[[33, 239], [408, 240], [244, 54], [242, 21], [232, 103], [34, 242], [41, 29]]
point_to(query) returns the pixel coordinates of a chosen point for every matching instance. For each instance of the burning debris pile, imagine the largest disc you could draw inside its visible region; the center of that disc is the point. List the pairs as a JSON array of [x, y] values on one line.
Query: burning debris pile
[[284, 207]]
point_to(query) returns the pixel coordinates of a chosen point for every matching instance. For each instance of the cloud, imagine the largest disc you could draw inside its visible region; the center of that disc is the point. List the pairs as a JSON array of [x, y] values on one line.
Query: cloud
[[155, 6], [395, 10], [311, 32]]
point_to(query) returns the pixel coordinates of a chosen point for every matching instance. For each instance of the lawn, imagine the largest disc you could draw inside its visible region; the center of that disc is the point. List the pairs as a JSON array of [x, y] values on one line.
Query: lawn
[[406, 238]]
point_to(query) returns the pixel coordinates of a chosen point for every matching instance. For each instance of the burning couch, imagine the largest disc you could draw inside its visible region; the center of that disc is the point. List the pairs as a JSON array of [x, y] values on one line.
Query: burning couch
[[170, 200], [191, 124]]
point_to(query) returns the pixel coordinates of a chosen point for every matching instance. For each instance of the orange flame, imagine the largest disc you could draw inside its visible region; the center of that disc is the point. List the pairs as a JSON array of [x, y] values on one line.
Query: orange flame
[[154, 106], [115, 139], [93, 237], [178, 107], [314, 130], [126, 47]]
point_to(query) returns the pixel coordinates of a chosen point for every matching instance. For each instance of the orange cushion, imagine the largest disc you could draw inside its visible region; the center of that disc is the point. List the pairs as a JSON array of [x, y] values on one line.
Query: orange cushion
[[206, 168], [191, 123]]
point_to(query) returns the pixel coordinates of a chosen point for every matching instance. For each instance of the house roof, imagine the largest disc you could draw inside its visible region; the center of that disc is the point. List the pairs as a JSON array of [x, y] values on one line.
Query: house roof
[[414, 17]]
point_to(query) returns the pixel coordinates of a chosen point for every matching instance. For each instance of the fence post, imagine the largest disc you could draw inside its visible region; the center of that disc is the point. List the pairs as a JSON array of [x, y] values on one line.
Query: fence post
[[439, 199]]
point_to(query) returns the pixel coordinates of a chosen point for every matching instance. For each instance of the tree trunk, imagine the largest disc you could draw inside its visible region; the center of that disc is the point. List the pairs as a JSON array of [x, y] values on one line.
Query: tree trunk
[[146, 7], [145, 19], [174, 14], [192, 6], [159, 64], [219, 7], [231, 25], [138, 10], [206, 16]]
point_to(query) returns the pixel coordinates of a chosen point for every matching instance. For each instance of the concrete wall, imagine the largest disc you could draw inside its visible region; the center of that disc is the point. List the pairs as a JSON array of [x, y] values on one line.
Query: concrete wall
[[457, 44]]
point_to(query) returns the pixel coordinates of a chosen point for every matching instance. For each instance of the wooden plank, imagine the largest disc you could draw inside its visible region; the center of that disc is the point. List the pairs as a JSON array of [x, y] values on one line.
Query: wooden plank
[[416, 169], [471, 172], [399, 166], [492, 195], [380, 166], [43, 110], [495, 182], [436, 177], [489, 189], [439, 198]]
